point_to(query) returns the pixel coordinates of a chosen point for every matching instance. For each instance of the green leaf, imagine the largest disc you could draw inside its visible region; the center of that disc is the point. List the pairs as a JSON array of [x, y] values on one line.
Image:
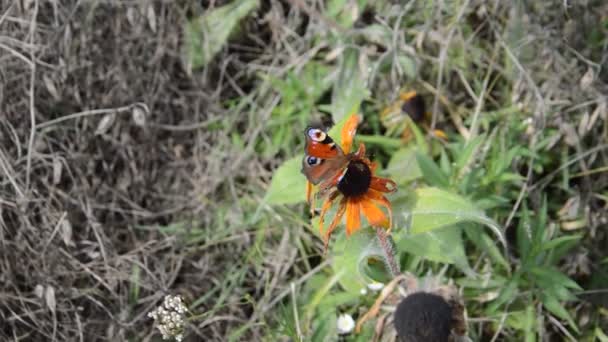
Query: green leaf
[[349, 89], [434, 208], [403, 166], [442, 245], [507, 294], [358, 259], [601, 336], [444, 163], [377, 34], [484, 242], [324, 326], [549, 275], [318, 295], [554, 306], [523, 320], [560, 241], [288, 184], [345, 12], [467, 155], [206, 35], [530, 324], [408, 65], [431, 172], [560, 246]]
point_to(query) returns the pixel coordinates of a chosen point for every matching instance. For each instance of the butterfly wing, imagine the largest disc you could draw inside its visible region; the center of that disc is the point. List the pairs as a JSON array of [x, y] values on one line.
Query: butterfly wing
[[323, 158]]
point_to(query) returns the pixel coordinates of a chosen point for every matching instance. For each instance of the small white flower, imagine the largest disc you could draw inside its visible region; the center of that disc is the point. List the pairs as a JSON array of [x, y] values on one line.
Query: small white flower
[[345, 324], [170, 317], [363, 291], [375, 286]]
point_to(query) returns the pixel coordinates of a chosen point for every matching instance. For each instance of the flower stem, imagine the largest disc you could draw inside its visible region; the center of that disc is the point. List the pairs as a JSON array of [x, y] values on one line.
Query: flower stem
[[389, 255]]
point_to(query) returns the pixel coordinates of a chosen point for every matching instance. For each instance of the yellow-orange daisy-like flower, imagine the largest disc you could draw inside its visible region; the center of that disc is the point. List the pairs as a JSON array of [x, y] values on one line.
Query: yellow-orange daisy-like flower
[[409, 103]]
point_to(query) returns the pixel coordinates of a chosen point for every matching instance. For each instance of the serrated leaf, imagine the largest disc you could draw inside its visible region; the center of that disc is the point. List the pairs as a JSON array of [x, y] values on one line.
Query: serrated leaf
[[206, 35], [288, 184]]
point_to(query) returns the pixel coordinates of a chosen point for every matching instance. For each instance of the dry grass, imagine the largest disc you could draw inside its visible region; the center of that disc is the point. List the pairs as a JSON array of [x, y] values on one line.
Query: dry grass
[[73, 193], [82, 200]]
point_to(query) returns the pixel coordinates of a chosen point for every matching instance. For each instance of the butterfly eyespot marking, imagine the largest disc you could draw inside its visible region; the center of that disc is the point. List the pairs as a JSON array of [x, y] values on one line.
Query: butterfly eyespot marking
[[316, 134], [312, 161]]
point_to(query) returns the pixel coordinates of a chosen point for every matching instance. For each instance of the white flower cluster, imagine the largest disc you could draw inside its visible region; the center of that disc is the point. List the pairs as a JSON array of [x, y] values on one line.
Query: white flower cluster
[[170, 317]]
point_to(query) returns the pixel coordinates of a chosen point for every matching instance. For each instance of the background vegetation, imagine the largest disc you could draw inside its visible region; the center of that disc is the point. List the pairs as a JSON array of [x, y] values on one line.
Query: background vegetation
[[139, 140]]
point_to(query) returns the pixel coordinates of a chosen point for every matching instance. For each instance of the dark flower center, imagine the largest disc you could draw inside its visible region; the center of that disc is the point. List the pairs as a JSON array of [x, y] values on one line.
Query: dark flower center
[[423, 316], [415, 108], [356, 179]]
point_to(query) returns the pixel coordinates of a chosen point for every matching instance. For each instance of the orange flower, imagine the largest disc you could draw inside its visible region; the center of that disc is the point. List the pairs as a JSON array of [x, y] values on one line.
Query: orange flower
[[409, 104], [357, 190]]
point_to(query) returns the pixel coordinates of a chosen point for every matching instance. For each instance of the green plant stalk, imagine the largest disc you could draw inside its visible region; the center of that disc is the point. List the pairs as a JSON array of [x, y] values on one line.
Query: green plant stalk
[[389, 253]]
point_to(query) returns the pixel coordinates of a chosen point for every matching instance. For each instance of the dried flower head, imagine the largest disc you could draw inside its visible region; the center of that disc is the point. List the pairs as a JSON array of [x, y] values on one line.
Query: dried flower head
[[422, 310], [170, 317]]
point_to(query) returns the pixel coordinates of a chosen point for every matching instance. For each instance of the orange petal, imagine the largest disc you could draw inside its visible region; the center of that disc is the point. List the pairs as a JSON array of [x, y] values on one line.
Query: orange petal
[[348, 132], [440, 134], [334, 222], [361, 151], [407, 95], [381, 200], [383, 184], [373, 214], [353, 216], [326, 205]]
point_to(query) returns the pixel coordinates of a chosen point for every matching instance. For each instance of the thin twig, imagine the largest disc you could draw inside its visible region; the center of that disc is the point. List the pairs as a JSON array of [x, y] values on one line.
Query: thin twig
[[30, 145], [91, 113]]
